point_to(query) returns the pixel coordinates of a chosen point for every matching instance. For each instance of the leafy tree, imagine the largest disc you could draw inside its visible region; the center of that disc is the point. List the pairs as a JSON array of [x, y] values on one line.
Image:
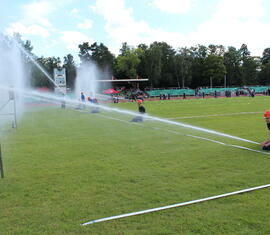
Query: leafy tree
[[128, 61], [153, 64], [98, 54], [214, 69], [70, 67], [125, 48], [183, 64], [142, 67], [101, 55], [218, 50], [199, 51], [85, 53], [163, 65], [39, 79], [198, 54], [159, 64], [167, 63], [249, 71], [244, 52], [264, 75], [28, 47], [232, 61], [266, 56], [248, 68]]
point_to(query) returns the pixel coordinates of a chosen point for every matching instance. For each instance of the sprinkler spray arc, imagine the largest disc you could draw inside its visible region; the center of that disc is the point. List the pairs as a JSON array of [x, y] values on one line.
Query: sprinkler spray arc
[[72, 103], [38, 65]]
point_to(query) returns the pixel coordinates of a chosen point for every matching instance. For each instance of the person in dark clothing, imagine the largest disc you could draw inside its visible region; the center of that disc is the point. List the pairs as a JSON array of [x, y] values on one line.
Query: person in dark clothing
[[252, 93], [266, 144], [141, 110]]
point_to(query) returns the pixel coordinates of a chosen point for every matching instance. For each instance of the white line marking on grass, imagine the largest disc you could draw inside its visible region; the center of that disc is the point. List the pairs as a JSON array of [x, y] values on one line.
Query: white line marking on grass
[[176, 123], [213, 115], [193, 136], [121, 120], [203, 138], [230, 145], [176, 205], [69, 101], [242, 147]]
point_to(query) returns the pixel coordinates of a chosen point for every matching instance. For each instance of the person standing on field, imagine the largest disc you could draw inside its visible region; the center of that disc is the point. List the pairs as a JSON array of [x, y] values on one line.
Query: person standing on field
[[266, 144]]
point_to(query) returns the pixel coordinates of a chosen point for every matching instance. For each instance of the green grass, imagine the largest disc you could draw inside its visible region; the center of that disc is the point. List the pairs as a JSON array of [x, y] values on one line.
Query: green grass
[[64, 167]]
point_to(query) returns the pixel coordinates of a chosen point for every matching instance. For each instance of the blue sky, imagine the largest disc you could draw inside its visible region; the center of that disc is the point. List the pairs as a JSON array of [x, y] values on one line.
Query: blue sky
[[56, 27]]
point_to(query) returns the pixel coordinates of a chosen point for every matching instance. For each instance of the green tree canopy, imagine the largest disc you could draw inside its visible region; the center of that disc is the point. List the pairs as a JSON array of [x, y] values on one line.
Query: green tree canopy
[[70, 67], [127, 62], [214, 69]]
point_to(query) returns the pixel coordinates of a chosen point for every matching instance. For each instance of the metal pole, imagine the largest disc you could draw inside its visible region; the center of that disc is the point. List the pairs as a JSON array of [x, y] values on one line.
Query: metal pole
[[1, 164], [15, 112], [211, 82]]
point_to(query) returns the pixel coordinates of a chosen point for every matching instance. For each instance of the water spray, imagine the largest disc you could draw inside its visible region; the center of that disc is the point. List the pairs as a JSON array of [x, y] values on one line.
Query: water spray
[[119, 110], [12, 97], [192, 136], [22, 49], [73, 103], [14, 113]]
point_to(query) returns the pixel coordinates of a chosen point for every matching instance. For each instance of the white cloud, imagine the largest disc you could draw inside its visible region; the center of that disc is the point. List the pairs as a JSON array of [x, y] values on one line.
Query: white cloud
[[73, 38], [38, 12], [18, 27], [52, 44], [241, 9], [122, 27], [35, 20], [74, 11], [86, 24], [235, 23], [174, 6]]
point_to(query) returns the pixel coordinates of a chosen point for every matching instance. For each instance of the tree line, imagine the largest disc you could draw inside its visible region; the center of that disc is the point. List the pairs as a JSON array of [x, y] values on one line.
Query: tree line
[[164, 66]]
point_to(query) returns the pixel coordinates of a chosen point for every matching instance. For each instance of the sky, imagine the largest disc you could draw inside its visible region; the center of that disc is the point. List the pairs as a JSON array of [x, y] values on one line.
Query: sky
[[57, 27]]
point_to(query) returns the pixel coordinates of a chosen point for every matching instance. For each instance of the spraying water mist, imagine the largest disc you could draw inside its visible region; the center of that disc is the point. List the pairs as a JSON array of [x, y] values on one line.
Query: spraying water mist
[[26, 53], [74, 103], [11, 76], [86, 80]]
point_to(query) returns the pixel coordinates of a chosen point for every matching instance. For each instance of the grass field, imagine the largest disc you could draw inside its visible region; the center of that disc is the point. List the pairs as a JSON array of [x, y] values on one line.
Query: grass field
[[67, 167]]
